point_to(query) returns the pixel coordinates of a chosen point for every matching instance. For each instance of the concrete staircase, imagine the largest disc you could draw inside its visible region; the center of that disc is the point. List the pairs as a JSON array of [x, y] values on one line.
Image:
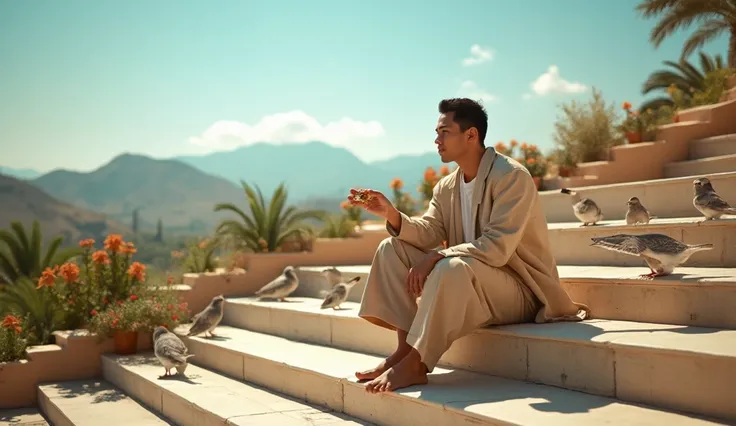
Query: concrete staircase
[[705, 156]]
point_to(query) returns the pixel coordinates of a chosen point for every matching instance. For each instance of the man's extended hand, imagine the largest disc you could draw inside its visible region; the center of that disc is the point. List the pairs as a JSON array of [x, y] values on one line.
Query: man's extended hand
[[419, 273]]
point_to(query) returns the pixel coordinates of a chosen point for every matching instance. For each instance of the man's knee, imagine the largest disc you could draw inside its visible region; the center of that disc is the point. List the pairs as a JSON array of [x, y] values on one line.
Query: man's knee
[[387, 247], [450, 269]]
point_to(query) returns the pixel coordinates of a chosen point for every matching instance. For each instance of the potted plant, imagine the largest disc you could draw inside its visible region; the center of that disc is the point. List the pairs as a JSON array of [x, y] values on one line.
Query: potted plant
[[632, 126], [530, 157]]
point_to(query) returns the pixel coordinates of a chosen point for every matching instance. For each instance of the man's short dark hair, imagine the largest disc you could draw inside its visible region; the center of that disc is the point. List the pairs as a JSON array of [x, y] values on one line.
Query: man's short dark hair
[[468, 113]]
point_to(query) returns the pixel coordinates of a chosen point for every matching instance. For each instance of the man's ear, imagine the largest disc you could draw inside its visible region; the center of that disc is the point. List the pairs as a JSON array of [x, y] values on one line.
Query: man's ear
[[472, 134]]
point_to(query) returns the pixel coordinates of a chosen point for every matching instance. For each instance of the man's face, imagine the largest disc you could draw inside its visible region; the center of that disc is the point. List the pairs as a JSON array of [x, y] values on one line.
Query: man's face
[[451, 142]]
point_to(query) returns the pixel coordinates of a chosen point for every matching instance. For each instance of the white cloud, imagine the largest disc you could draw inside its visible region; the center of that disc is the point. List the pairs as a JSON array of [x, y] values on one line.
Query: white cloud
[[470, 89], [552, 82], [478, 55], [288, 127]]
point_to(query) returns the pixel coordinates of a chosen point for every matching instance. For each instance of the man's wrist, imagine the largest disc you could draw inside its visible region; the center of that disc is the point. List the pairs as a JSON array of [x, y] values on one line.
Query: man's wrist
[[394, 218]]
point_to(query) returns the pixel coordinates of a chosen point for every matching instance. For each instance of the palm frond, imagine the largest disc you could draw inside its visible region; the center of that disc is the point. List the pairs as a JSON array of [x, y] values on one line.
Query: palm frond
[[656, 103], [708, 31]]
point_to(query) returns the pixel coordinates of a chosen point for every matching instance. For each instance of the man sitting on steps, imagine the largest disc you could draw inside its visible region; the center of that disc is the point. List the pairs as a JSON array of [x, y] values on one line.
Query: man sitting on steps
[[497, 268]]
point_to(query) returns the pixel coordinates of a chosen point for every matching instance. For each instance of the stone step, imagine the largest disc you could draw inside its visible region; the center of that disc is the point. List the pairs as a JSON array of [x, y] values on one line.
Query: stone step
[[704, 297], [204, 397], [22, 417], [570, 241], [324, 376], [712, 147], [669, 198], [91, 403], [701, 166], [637, 362]]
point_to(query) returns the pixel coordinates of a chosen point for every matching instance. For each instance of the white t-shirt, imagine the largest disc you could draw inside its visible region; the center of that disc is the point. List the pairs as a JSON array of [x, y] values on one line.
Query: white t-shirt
[[466, 200]]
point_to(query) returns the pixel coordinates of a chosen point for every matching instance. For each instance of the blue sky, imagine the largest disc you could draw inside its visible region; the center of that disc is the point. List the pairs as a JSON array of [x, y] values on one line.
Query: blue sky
[[83, 81]]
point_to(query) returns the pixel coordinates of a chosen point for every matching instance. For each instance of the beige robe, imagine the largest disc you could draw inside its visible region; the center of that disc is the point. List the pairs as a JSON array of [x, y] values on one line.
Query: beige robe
[[506, 275]]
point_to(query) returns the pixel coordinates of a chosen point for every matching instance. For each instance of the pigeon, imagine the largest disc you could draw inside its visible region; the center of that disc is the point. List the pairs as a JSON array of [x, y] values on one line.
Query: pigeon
[[170, 351], [332, 275], [281, 286], [637, 213], [661, 253], [710, 204], [339, 294], [585, 209], [209, 318]]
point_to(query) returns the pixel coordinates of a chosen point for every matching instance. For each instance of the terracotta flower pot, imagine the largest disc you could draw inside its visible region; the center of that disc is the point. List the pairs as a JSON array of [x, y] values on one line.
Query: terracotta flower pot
[[564, 171], [633, 137], [537, 181], [126, 342]]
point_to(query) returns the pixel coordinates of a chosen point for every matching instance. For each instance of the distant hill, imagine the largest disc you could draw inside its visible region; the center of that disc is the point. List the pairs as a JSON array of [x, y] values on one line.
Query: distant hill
[[311, 170], [21, 201], [19, 173], [180, 195]]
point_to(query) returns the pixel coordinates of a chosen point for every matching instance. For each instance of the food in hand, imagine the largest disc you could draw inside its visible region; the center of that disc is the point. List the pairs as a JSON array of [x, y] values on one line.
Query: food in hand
[[363, 196]]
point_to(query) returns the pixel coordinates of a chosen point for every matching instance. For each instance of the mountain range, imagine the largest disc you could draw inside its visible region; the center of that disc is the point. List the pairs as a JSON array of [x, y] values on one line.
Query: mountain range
[[182, 191], [313, 169], [24, 202]]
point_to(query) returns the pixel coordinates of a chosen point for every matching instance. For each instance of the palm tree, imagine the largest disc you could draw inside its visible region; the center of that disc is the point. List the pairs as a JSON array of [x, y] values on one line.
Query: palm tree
[[683, 75], [22, 257], [716, 17], [39, 308], [268, 226], [338, 226]]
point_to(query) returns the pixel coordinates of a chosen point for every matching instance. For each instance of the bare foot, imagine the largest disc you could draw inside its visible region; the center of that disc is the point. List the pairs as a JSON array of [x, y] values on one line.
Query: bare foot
[[389, 362], [410, 371]]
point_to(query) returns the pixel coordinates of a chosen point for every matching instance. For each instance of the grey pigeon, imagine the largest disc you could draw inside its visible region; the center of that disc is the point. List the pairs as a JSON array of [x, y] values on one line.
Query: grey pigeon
[[339, 294], [332, 275], [661, 253], [281, 286], [637, 213], [585, 209], [209, 318], [170, 350], [708, 202]]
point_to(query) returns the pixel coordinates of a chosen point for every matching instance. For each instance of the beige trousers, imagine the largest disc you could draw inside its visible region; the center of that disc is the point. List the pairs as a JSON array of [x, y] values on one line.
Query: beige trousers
[[460, 295]]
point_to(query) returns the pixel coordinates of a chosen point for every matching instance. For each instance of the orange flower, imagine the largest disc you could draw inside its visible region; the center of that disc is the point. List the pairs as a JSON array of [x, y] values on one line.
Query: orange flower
[[500, 147], [87, 244], [114, 242], [203, 244], [177, 254], [70, 272], [531, 161], [430, 175], [345, 205], [524, 146], [137, 270], [129, 248], [100, 257], [170, 280], [48, 277], [514, 143], [397, 184], [444, 170], [133, 297], [626, 106], [12, 323]]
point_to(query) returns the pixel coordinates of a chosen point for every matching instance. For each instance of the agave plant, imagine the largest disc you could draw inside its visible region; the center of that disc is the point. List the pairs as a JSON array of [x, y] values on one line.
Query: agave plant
[[338, 226], [269, 225], [21, 256], [682, 75]]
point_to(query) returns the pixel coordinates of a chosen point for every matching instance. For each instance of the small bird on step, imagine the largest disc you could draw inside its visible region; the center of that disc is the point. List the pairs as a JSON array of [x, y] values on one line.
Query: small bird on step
[[209, 318], [170, 351], [338, 295], [332, 275], [637, 213], [585, 209], [708, 202], [661, 253], [281, 286]]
